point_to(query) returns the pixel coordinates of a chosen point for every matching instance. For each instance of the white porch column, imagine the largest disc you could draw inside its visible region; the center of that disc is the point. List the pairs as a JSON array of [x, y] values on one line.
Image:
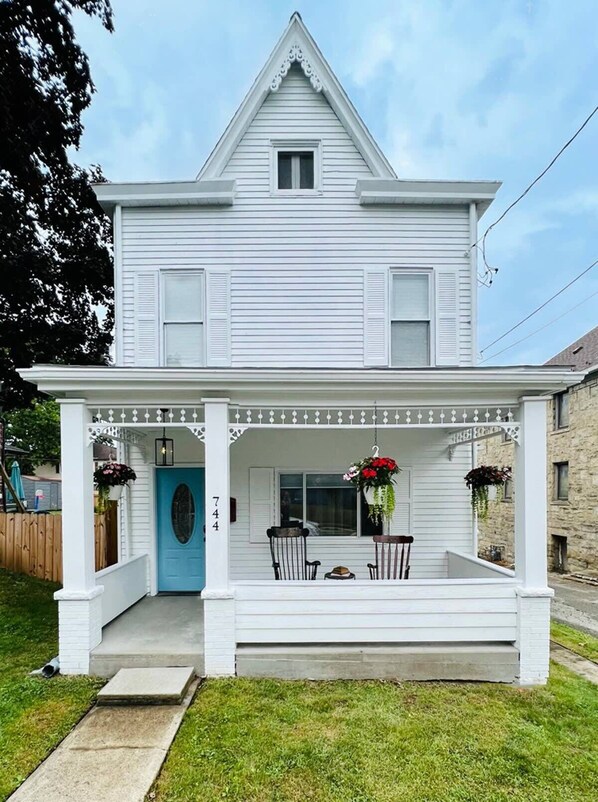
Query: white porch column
[[79, 601], [219, 603], [534, 595]]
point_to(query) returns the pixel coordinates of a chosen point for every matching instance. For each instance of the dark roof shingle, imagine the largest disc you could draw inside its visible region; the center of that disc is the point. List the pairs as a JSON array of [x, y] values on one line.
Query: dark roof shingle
[[582, 354]]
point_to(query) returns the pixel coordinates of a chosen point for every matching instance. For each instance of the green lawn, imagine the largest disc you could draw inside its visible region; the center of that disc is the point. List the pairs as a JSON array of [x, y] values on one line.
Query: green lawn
[[35, 714], [269, 741], [585, 645]]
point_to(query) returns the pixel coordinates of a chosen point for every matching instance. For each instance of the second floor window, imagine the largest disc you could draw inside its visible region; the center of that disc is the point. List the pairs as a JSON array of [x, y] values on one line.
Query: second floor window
[[410, 319], [561, 410], [183, 337], [561, 481]]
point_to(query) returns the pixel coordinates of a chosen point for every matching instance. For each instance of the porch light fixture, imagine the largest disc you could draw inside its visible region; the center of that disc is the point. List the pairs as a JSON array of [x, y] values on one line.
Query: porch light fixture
[[164, 446]]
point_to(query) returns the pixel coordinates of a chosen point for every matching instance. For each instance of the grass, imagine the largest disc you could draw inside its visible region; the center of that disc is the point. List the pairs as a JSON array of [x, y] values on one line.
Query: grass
[[580, 642], [35, 714], [273, 741]]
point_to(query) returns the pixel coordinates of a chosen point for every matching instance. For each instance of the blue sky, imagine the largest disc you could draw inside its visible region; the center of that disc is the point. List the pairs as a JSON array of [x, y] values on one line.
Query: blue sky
[[464, 89]]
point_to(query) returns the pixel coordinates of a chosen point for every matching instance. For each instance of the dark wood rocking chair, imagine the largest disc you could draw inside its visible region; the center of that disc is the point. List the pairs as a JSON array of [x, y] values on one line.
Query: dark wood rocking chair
[[388, 565], [289, 553]]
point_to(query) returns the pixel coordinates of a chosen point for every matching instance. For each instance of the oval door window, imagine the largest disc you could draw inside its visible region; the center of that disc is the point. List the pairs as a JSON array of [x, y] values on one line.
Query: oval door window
[[183, 513]]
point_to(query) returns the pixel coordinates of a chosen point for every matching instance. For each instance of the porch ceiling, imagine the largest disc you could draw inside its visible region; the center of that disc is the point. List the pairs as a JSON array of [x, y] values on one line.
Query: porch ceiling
[[496, 386]]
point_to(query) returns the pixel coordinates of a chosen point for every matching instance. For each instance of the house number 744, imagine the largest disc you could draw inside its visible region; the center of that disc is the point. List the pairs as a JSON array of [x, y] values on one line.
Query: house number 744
[[215, 513]]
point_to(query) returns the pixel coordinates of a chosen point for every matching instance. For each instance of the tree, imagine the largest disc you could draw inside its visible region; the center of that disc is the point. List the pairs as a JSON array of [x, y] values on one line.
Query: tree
[[55, 253], [36, 429]]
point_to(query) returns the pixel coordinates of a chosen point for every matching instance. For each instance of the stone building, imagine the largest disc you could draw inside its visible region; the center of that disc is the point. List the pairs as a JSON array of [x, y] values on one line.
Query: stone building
[[572, 456]]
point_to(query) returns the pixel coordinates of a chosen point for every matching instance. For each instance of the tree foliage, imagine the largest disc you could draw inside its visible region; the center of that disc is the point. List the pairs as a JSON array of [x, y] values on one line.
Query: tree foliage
[[36, 429], [55, 257]]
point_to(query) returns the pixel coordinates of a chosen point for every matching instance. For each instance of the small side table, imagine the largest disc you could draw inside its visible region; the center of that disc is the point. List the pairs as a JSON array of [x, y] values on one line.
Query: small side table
[[332, 575]]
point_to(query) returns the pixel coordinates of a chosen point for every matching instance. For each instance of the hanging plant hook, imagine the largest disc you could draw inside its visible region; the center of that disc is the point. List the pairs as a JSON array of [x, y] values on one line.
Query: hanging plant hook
[[375, 447]]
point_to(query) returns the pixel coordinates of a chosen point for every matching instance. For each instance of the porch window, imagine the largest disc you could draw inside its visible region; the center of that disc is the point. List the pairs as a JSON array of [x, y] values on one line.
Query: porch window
[[410, 319], [183, 318], [325, 504]]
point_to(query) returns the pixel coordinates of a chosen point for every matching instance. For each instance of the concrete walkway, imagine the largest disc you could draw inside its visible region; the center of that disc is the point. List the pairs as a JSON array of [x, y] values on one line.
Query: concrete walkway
[[113, 755], [574, 662], [575, 603]]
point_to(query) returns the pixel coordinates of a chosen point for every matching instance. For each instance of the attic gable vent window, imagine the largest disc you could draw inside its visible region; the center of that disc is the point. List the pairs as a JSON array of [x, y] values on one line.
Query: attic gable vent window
[[295, 168]]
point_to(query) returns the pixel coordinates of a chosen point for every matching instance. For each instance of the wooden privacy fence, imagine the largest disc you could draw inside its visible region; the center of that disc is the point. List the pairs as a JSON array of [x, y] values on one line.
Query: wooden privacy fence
[[31, 543]]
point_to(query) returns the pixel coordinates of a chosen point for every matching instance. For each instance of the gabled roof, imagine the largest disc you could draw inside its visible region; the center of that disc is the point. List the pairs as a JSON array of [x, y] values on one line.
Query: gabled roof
[[297, 45], [582, 354]]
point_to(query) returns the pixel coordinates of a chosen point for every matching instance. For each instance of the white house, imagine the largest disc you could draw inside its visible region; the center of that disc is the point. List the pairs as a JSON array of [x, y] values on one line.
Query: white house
[[274, 315]]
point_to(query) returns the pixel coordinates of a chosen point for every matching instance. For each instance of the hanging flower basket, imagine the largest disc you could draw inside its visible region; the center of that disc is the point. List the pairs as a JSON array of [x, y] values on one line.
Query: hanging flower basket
[[374, 476], [485, 483], [110, 479]]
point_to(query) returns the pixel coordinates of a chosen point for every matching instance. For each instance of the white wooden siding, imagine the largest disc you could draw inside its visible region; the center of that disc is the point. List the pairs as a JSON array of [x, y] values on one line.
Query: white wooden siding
[[296, 263], [450, 611]]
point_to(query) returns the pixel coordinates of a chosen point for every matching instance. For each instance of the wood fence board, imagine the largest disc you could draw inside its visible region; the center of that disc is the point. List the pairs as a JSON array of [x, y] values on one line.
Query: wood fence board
[[31, 543]]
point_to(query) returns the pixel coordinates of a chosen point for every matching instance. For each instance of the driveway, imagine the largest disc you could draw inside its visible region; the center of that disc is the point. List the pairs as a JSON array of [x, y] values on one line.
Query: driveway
[[575, 603]]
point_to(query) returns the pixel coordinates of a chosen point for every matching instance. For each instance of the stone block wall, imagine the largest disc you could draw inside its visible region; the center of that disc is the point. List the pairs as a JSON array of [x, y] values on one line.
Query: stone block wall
[[575, 519]]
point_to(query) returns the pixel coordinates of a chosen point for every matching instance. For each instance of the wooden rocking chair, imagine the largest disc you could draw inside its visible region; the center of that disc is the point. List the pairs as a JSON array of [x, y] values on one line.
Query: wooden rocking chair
[[289, 553], [388, 565]]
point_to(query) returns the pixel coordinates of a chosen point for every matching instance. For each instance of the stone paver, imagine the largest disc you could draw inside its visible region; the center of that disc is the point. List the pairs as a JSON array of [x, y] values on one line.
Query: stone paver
[[113, 755], [574, 662], [147, 686]]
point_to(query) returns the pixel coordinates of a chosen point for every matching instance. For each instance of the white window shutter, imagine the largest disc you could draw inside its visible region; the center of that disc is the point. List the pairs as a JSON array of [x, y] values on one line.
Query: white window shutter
[[261, 503], [402, 519], [147, 320], [218, 318], [447, 317], [375, 317]]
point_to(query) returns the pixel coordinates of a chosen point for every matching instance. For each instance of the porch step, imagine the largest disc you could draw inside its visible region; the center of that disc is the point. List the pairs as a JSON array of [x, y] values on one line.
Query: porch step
[[147, 686], [107, 665], [486, 662]]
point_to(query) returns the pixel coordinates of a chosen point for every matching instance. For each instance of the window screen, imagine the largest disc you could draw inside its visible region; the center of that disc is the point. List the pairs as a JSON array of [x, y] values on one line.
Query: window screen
[[183, 319], [410, 320]]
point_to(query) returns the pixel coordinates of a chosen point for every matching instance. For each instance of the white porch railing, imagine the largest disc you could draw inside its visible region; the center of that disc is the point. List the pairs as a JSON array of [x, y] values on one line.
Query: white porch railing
[[412, 611], [124, 584], [466, 566]]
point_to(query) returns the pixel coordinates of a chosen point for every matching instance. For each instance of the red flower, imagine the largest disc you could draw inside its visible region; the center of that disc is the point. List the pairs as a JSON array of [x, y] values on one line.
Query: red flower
[[368, 473]]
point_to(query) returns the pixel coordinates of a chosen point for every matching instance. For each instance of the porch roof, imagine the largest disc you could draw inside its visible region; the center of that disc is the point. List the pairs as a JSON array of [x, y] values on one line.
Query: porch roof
[[162, 385]]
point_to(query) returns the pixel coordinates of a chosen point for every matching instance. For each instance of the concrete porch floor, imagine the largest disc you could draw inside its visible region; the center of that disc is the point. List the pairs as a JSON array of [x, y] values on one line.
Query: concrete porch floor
[[157, 631]]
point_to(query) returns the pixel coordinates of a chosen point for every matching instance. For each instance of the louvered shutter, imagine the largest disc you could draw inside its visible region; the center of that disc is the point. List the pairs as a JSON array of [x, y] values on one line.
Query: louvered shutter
[[218, 318], [147, 320], [261, 503], [402, 518], [375, 317], [447, 317]]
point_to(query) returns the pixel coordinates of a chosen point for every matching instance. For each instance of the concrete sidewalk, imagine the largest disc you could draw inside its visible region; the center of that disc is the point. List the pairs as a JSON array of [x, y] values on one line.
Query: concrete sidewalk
[[574, 662], [113, 755]]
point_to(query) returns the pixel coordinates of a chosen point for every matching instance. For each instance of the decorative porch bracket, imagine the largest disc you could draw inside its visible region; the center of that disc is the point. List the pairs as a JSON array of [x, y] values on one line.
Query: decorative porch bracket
[[475, 434], [234, 432], [121, 434]]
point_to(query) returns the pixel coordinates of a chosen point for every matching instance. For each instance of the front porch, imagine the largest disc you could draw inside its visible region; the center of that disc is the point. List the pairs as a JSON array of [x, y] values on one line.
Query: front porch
[[278, 430]]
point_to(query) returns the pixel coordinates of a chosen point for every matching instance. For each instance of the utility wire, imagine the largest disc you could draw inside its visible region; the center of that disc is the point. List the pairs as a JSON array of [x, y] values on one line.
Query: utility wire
[[482, 239], [537, 309], [545, 326]]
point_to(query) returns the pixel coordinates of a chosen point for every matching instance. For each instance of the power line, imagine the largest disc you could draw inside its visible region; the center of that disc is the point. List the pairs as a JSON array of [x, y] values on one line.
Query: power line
[[545, 326], [531, 314], [482, 239]]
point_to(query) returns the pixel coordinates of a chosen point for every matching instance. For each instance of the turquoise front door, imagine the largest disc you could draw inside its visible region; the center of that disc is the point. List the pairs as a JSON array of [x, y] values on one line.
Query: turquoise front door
[[181, 518]]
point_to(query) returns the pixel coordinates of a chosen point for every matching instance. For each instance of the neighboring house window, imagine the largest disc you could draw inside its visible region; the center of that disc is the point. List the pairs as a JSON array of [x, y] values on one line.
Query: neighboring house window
[[410, 319], [323, 503], [507, 493], [183, 318], [295, 167], [561, 410], [561, 481]]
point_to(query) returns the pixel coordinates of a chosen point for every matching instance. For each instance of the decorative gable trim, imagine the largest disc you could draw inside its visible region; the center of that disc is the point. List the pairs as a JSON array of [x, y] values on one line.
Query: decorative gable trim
[[297, 45], [296, 54]]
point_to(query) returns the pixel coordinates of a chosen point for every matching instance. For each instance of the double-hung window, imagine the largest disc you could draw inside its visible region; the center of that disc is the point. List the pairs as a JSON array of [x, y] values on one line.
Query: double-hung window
[[561, 481], [324, 504], [183, 328], [561, 410], [411, 318], [295, 167]]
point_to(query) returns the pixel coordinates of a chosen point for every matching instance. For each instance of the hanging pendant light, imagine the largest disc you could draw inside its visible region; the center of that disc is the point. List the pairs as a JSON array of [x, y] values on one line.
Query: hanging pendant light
[[164, 446]]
